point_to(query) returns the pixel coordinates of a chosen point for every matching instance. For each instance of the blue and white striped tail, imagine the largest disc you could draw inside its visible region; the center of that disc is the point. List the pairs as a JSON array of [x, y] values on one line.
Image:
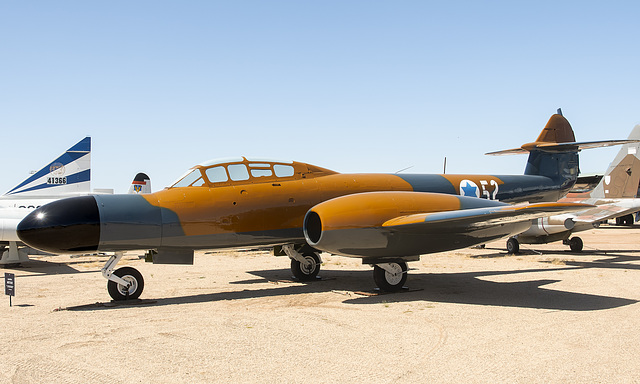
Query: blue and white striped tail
[[68, 174]]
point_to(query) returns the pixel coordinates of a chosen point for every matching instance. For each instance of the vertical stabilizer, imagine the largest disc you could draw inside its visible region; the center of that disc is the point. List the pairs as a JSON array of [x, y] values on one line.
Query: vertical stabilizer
[[554, 155], [547, 158], [623, 175], [557, 130], [68, 174], [140, 184]]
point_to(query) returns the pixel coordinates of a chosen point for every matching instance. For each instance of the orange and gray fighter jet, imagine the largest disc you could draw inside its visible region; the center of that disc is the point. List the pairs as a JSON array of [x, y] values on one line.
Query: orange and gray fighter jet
[[301, 209]]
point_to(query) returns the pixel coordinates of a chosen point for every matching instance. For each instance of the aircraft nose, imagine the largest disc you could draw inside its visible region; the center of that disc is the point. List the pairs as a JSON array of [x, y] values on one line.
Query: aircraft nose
[[63, 226]]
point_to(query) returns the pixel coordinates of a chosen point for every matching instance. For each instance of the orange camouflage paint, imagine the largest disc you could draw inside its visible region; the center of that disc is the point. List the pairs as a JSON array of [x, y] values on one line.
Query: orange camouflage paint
[[252, 205]]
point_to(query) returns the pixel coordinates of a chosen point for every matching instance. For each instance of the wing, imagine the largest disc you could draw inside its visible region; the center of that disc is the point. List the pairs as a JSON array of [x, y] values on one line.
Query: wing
[[485, 217], [601, 212]]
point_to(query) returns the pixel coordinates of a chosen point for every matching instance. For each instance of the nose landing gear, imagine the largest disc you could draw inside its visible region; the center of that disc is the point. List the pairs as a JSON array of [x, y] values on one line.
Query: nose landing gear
[[125, 283]]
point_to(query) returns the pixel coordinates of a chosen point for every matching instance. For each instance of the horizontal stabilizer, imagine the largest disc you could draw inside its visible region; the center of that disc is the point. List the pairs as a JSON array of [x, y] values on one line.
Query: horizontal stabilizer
[[488, 216], [561, 147]]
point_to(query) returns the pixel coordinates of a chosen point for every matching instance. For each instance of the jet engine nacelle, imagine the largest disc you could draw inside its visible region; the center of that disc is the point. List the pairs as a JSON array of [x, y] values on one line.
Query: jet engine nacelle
[[362, 224]]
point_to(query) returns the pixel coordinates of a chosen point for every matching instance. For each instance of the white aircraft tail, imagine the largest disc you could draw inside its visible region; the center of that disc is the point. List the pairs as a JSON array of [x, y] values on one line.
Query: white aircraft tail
[[623, 175], [68, 174], [140, 184]]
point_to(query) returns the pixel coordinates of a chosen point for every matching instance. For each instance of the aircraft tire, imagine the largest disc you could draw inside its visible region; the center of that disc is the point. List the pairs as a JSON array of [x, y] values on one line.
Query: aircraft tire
[[304, 273], [391, 282], [576, 244], [513, 246], [119, 292], [627, 220]]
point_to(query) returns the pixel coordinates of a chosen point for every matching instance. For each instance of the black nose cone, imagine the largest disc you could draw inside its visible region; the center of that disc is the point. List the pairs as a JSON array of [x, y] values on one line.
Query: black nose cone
[[64, 226]]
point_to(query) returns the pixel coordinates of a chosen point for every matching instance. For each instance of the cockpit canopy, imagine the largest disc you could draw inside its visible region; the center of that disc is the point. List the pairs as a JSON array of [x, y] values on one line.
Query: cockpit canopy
[[244, 170]]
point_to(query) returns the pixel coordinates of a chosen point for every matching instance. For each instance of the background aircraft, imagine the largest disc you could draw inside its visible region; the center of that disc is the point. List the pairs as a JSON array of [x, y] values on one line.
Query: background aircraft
[[614, 196], [140, 184], [66, 176], [385, 219]]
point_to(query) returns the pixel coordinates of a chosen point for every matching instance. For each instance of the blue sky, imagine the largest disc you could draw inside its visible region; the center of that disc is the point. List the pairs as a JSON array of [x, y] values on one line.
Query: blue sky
[[354, 86]]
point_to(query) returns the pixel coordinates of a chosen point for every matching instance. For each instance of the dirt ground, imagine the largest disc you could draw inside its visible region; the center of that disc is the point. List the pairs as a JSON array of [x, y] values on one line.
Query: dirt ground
[[472, 315]]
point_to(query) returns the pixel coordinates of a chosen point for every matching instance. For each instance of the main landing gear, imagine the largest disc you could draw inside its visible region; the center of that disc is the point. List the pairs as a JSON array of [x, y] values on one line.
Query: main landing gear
[[575, 243], [125, 283], [513, 246], [625, 220], [306, 262], [390, 277]]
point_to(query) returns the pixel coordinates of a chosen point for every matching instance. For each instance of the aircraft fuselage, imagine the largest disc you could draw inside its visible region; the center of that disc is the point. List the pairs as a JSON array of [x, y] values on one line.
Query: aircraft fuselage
[[262, 209]]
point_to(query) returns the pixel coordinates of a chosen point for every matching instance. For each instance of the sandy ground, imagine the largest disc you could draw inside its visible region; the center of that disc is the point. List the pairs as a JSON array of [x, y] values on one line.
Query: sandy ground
[[473, 315]]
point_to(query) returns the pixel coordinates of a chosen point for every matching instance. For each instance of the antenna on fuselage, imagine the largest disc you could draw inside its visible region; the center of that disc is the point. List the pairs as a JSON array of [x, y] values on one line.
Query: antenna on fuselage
[[560, 111], [444, 168], [404, 169]]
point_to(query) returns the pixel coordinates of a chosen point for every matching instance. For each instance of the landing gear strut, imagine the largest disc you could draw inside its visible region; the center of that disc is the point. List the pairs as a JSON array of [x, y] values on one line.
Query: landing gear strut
[[125, 283]]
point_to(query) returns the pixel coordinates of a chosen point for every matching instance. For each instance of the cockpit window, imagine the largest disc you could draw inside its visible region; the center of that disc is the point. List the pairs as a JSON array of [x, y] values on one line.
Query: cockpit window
[[217, 174], [238, 172], [190, 179], [261, 172], [198, 183], [283, 170]]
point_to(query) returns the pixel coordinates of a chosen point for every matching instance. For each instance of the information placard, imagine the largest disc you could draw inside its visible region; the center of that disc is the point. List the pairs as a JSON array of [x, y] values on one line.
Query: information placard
[[9, 284]]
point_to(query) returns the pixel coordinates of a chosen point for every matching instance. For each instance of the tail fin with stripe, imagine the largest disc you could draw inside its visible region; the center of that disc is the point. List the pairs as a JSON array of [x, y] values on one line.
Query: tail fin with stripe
[[68, 174]]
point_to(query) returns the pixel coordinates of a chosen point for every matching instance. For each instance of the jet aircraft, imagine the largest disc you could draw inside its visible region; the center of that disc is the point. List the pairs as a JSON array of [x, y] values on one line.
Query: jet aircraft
[[302, 209], [614, 196], [68, 175]]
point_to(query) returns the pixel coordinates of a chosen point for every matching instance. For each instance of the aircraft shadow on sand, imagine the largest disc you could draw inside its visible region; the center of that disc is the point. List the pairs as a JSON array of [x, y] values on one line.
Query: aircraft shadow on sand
[[457, 288], [615, 259], [44, 267]]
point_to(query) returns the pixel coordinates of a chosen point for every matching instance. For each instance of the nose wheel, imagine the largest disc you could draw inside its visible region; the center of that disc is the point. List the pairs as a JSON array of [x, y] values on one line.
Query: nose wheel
[[124, 283]]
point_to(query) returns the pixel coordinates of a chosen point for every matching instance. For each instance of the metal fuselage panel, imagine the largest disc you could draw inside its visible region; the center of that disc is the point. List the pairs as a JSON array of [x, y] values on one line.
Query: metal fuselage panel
[[129, 222]]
